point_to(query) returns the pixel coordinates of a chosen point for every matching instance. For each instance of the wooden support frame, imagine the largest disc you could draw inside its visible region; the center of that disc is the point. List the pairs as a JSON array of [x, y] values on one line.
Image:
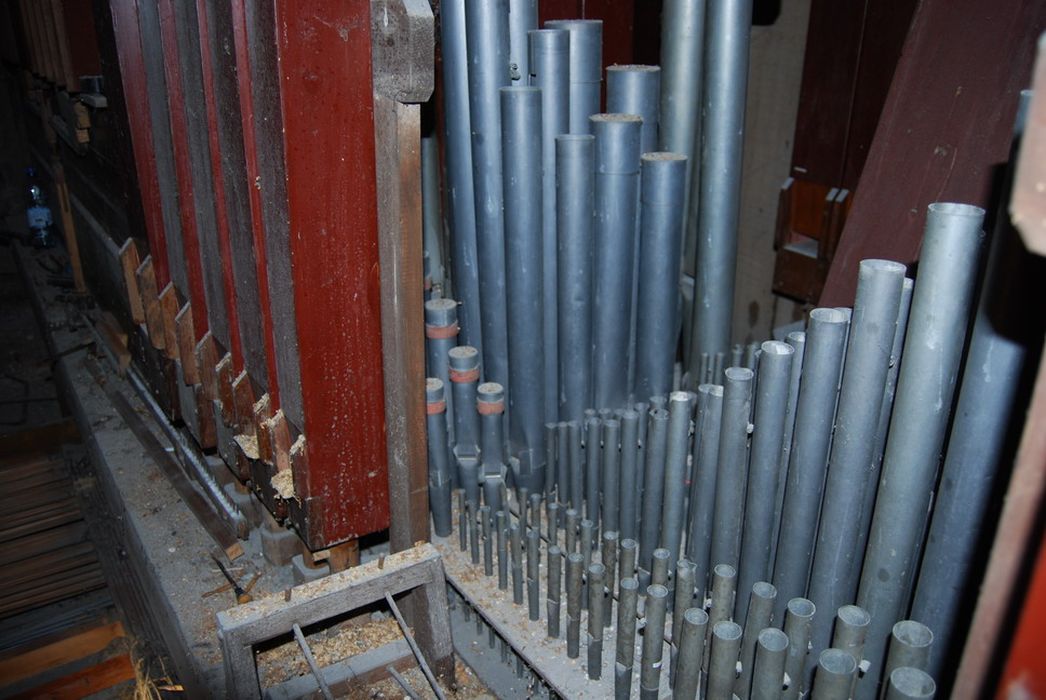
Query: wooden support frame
[[421, 568]]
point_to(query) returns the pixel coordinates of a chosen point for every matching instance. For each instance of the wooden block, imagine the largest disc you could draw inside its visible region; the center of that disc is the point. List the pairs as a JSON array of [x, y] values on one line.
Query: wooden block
[[243, 401], [116, 341], [86, 682], [262, 413], [30, 663], [225, 390], [208, 436], [281, 440], [83, 116], [186, 333], [146, 277], [168, 312], [206, 361], [129, 262]]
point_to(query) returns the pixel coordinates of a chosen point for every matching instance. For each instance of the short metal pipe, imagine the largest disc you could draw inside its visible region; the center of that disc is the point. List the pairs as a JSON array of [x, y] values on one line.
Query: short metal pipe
[[851, 629], [825, 336], [488, 542], [608, 557], [490, 404], [523, 280], [836, 670], [906, 683], [758, 616], [533, 564], [611, 477], [626, 558], [634, 89], [473, 534], [626, 637], [771, 395], [577, 466], [629, 478], [570, 520], [439, 468], [462, 521], [653, 642], [933, 351], [593, 465], [441, 334], [500, 522], [722, 665], [552, 464], [691, 648], [678, 449], [517, 563], [911, 645], [724, 590], [575, 225], [616, 202], [732, 466], [771, 652], [596, 613], [703, 481], [653, 485], [586, 69], [464, 378], [554, 564], [836, 563], [574, 567], [723, 105], [660, 560], [486, 34], [797, 620], [682, 600]]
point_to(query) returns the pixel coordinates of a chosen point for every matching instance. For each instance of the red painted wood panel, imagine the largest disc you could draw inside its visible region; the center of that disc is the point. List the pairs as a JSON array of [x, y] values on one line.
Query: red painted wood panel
[[221, 213], [1025, 675], [327, 101], [250, 154], [180, 143], [136, 99]]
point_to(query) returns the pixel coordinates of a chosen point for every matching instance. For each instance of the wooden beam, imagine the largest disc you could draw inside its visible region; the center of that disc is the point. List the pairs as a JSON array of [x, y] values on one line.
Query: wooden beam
[[30, 663], [85, 682]]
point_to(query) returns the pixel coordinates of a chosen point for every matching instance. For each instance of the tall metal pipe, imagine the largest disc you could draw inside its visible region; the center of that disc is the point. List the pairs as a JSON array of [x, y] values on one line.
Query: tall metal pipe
[[825, 335], [759, 613], [722, 665], [593, 464], [522, 18], [616, 200], [653, 487], [464, 377], [1012, 292], [626, 636], [723, 103], [682, 72], [932, 351], [661, 219], [596, 614], [768, 674], [549, 53], [439, 468], [520, 131], [732, 469], [633, 89], [457, 144], [672, 514], [836, 565], [628, 477], [586, 69], [490, 403], [703, 481], [906, 683], [798, 616], [552, 463], [771, 396], [691, 648], [835, 674], [653, 642], [486, 31], [611, 476], [431, 207]]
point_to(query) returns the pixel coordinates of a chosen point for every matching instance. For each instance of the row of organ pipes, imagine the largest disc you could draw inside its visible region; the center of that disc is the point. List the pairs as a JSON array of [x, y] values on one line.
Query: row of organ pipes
[[587, 407]]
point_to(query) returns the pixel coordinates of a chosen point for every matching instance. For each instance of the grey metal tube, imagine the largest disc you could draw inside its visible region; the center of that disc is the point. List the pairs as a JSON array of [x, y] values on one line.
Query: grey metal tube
[[732, 467], [836, 563], [486, 30], [768, 674], [554, 564], [535, 511], [564, 455], [1000, 345], [552, 465], [724, 591], [633, 89], [500, 522], [907, 683], [522, 18], [797, 339], [586, 69], [473, 534], [851, 628], [933, 349], [462, 521], [653, 486], [723, 104], [549, 53], [825, 336], [682, 597], [574, 563], [835, 675], [570, 527], [577, 467], [672, 515], [488, 544], [722, 665], [439, 468], [464, 378], [798, 617], [520, 131], [626, 560], [653, 642], [629, 479], [885, 411], [703, 482], [574, 202], [611, 477], [596, 614], [682, 72], [659, 561], [516, 544], [490, 404], [757, 617], [608, 557], [552, 512], [461, 205], [911, 645], [441, 332], [771, 396], [593, 464], [533, 564], [692, 632], [616, 201], [626, 637], [431, 208]]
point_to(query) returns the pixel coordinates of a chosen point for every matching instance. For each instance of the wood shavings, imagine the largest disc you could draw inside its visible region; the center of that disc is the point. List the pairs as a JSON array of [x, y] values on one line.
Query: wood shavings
[[283, 484], [249, 445]]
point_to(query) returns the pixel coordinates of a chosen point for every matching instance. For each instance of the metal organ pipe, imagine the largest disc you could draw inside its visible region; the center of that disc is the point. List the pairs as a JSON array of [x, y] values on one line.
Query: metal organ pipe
[[586, 69]]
